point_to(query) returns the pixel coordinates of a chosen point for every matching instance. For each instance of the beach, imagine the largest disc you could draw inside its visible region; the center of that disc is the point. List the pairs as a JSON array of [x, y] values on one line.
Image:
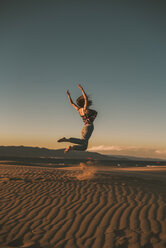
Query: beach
[[82, 207]]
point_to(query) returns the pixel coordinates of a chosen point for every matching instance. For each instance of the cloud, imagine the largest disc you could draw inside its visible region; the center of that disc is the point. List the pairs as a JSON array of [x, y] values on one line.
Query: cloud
[[160, 151], [113, 148], [129, 151], [105, 148]]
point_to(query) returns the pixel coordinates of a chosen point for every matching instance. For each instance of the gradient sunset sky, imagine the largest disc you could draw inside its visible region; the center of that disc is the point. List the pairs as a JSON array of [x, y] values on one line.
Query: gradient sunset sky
[[115, 49]]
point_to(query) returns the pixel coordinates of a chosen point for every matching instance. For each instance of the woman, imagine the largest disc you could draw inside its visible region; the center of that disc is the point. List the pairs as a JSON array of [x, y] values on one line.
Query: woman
[[88, 116]]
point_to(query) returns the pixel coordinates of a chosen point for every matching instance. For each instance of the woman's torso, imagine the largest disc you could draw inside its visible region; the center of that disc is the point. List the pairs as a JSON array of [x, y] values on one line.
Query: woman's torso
[[88, 115]]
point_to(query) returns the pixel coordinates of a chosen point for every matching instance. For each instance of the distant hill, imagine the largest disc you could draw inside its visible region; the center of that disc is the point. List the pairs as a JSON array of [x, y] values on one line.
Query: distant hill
[[26, 151], [123, 157]]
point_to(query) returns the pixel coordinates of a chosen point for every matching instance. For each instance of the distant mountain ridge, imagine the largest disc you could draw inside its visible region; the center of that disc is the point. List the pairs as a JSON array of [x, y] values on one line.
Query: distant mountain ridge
[[27, 151]]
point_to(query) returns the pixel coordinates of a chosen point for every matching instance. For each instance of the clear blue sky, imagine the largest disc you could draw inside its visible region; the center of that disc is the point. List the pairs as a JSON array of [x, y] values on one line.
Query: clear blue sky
[[115, 49]]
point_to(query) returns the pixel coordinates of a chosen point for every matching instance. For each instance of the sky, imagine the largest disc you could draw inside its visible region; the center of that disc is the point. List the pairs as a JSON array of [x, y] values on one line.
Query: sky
[[115, 49]]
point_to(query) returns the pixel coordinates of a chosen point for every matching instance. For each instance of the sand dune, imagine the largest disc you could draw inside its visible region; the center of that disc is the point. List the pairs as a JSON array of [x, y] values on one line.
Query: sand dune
[[80, 208]]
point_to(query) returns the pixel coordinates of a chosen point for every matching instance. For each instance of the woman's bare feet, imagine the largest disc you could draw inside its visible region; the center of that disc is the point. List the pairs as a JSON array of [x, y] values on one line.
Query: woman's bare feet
[[62, 140], [68, 149]]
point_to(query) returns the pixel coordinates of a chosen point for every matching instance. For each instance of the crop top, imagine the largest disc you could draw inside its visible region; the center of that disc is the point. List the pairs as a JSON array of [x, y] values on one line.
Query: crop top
[[88, 115]]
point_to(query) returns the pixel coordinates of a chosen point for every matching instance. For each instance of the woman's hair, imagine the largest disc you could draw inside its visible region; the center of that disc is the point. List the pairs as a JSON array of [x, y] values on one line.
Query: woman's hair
[[80, 101]]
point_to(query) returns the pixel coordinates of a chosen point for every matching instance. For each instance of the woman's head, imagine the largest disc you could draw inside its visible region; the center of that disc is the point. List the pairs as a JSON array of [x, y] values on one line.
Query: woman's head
[[80, 101]]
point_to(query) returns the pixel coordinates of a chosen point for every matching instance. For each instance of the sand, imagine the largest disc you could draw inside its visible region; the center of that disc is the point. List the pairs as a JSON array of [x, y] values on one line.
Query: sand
[[82, 207]]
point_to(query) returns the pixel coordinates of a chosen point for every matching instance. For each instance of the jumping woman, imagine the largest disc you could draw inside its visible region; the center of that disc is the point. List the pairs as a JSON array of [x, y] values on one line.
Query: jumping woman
[[88, 115]]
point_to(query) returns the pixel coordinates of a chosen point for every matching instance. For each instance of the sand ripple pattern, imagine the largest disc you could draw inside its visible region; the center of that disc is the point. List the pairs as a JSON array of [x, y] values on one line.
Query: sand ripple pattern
[[50, 208]]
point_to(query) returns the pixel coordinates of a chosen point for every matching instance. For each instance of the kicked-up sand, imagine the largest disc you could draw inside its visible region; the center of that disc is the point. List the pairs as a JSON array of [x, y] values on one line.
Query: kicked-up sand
[[82, 207]]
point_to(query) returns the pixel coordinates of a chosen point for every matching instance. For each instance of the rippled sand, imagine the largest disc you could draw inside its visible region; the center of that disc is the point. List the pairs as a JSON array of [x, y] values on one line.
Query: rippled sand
[[82, 207]]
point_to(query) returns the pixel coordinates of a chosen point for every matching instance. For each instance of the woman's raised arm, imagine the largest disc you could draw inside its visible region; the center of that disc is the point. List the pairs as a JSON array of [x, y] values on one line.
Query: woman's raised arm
[[71, 101], [84, 95]]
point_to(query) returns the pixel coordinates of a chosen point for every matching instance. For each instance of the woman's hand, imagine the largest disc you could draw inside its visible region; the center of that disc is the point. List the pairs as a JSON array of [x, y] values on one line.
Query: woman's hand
[[68, 92], [71, 101], [84, 95], [79, 86]]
